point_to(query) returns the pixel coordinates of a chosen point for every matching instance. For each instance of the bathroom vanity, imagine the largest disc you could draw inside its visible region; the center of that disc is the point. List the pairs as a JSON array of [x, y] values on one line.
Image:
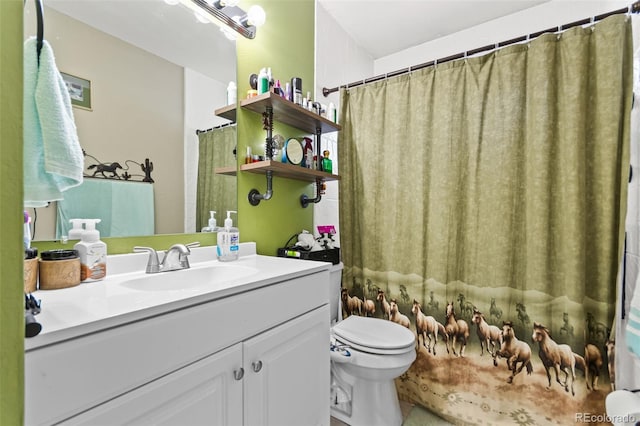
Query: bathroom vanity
[[239, 343]]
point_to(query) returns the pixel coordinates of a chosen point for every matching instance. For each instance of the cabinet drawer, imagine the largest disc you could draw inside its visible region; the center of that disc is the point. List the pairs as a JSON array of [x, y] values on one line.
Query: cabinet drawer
[[64, 379]]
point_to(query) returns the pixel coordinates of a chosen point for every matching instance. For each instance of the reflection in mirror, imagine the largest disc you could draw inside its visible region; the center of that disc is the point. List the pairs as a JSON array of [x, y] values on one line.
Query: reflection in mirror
[[156, 75], [216, 192]]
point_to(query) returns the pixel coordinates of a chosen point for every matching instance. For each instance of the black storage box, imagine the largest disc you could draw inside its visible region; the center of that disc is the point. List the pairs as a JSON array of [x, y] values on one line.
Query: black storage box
[[327, 255]]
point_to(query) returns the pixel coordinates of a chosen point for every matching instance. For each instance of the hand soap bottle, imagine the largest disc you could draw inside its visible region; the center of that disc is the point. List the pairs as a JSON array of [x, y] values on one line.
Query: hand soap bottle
[[92, 252], [228, 240], [213, 225], [75, 233]]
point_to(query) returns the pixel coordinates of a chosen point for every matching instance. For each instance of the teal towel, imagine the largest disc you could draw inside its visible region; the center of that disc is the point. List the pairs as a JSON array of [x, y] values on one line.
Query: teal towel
[[53, 159], [124, 208]]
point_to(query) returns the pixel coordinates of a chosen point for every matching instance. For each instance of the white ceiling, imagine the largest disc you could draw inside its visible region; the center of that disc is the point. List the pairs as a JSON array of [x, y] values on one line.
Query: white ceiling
[[380, 27], [383, 27]]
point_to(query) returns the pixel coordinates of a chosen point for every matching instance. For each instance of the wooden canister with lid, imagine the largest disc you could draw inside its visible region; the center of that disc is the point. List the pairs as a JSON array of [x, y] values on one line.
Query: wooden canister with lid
[[59, 269], [30, 275]]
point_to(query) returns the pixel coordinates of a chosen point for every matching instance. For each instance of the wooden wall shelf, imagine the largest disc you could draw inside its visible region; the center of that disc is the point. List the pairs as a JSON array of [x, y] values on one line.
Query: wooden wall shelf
[[288, 171], [289, 113], [227, 170], [228, 112]]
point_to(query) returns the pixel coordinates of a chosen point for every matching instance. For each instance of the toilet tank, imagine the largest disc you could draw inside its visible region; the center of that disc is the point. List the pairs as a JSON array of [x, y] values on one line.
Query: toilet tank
[[335, 304]]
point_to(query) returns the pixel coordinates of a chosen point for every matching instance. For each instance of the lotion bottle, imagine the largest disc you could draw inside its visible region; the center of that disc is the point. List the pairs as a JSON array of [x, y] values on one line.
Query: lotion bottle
[[228, 240], [92, 252]]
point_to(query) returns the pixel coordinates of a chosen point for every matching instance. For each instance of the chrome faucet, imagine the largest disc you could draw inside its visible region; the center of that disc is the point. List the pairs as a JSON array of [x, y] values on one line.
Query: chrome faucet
[[175, 258]]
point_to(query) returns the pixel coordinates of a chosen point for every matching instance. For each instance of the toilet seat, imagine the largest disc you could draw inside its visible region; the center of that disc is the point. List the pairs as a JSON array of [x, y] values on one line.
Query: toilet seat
[[374, 335]]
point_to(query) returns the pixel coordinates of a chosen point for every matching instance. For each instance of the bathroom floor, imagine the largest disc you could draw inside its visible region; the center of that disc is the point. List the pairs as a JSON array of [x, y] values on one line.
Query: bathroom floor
[[406, 407]]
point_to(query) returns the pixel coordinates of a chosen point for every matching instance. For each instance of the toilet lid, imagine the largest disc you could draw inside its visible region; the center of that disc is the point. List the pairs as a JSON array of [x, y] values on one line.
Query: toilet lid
[[374, 335]]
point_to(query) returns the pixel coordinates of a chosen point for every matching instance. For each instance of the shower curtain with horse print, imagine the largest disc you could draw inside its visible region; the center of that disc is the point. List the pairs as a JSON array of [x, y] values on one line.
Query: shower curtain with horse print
[[482, 202]]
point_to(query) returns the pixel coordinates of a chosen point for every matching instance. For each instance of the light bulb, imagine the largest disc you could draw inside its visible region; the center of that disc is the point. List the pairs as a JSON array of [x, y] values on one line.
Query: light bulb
[[256, 16]]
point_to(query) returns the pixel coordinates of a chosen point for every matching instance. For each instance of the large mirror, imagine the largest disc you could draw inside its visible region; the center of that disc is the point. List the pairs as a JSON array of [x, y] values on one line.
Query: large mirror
[[155, 76]]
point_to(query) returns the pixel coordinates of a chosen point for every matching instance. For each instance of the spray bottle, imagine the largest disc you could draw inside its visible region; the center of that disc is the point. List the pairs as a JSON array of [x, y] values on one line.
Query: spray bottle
[[92, 252], [228, 240]]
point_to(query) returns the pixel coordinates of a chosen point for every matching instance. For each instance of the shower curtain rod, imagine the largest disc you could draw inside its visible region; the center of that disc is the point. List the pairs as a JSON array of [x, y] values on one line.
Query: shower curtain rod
[[633, 8], [198, 131]]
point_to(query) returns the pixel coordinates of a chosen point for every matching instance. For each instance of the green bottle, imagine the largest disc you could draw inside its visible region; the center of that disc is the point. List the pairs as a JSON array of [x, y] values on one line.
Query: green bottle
[[326, 162]]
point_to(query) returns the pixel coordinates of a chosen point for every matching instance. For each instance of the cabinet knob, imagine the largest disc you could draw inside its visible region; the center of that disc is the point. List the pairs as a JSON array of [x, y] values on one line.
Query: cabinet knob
[[238, 374], [257, 366]]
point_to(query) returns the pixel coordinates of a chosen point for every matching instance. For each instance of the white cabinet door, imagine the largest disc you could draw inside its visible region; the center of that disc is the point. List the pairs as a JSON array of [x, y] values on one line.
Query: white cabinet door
[[286, 381], [203, 393]]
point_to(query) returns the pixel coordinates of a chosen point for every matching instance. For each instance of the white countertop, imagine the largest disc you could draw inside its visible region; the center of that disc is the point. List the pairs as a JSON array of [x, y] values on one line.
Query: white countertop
[[95, 306]]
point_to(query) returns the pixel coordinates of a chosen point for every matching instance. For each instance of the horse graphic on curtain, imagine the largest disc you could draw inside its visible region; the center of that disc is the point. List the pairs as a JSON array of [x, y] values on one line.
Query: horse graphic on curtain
[[483, 200]]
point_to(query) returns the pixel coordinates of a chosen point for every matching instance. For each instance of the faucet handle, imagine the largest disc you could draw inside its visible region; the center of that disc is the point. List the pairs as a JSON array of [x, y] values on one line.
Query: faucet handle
[[153, 265], [193, 244]]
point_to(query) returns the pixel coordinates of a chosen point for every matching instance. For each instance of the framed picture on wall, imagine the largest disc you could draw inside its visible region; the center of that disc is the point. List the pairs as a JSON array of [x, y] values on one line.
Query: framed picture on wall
[[79, 91]]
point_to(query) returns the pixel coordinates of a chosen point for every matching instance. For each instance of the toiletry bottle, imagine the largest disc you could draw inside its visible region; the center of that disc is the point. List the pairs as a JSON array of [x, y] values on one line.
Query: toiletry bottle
[[75, 233], [213, 224], [228, 240], [326, 162], [232, 93], [26, 231], [308, 154], [263, 82], [331, 113], [270, 80], [92, 252], [296, 90]]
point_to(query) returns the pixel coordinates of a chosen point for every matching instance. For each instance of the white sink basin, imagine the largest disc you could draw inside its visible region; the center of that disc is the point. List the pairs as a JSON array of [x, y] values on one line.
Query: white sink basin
[[188, 279]]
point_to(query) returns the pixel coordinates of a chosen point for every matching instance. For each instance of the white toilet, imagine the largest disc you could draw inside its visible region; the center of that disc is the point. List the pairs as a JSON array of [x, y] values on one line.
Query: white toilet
[[367, 354]]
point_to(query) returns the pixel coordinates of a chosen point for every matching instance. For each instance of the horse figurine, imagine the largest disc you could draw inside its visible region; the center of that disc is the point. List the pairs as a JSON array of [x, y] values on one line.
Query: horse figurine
[[560, 357], [456, 329], [488, 334], [426, 326], [108, 168], [515, 351]]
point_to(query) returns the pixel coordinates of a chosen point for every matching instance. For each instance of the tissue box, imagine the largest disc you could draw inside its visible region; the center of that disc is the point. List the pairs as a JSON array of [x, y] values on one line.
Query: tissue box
[[328, 255]]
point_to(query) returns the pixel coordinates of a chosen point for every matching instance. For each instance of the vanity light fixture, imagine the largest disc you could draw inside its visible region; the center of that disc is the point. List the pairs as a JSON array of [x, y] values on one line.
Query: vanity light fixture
[[227, 12]]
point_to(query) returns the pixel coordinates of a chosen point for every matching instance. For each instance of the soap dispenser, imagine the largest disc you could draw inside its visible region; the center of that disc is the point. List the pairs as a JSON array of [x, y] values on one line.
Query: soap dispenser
[[92, 253], [228, 240], [213, 224], [75, 233]]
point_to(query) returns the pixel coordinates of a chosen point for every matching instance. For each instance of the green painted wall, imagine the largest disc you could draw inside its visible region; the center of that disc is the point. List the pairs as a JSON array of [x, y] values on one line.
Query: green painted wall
[[286, 44], [11, 253]]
